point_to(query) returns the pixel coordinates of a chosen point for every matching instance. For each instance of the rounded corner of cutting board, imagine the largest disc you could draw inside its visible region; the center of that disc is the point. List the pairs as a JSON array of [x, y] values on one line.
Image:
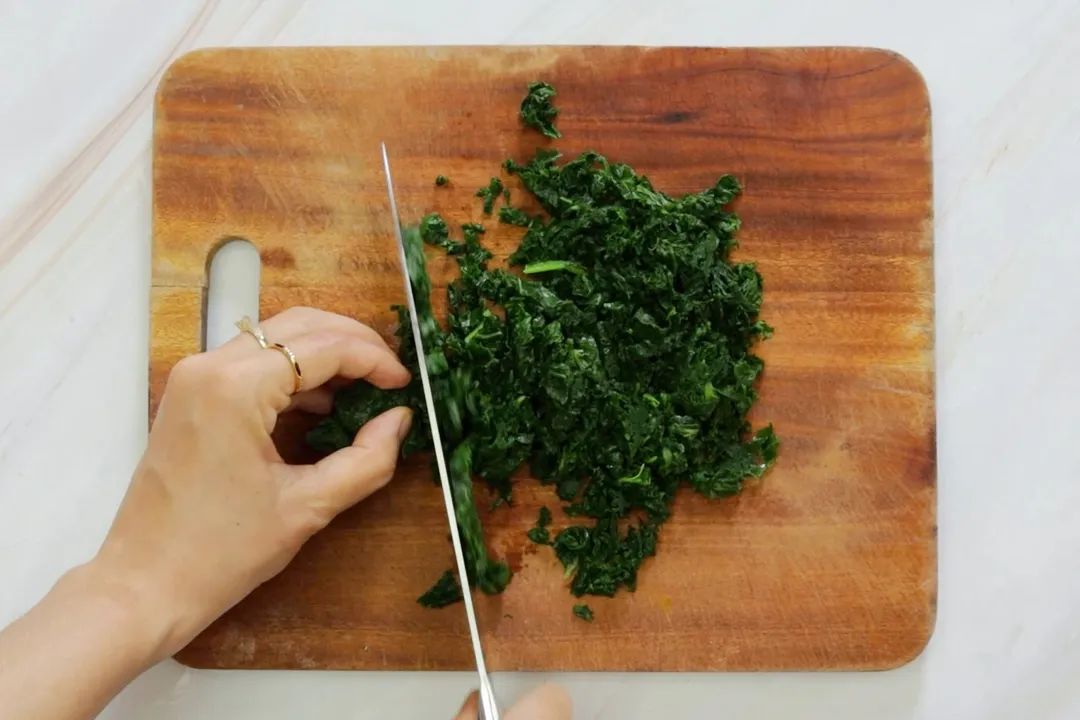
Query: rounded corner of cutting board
[[193, 660], [910, 67], [917, 644]]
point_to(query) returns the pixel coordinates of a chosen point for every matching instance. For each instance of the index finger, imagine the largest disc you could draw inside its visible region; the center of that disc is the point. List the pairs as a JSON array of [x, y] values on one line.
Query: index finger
[[470, 710], [328, 354], [301, 320]]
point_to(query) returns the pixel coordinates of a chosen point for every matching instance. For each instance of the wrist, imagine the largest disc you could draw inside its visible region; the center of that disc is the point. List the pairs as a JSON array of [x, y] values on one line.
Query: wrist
[[139, 615]]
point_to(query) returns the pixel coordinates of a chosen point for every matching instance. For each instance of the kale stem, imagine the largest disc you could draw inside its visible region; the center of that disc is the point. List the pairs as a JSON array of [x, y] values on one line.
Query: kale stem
[[472, 336], [552, 265]]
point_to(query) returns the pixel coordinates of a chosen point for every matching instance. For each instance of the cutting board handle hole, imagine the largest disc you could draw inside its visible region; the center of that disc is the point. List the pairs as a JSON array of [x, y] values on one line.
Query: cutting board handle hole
[[234, 268]]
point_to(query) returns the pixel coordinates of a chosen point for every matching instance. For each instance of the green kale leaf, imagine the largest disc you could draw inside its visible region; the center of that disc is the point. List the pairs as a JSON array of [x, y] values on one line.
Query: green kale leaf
[[490, 193], [445, 591], [584, 612], [539, 532], [537, 110]]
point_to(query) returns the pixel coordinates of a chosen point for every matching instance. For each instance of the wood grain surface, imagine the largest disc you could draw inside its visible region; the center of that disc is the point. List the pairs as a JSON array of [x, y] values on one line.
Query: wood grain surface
[[828, 563]]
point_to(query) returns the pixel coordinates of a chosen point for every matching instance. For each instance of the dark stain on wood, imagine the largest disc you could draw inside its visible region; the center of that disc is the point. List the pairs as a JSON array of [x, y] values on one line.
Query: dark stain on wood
[[278, 258]]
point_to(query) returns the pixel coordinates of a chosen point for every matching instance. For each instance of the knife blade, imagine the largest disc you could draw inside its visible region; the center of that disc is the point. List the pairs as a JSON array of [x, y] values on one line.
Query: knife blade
[[488, 707]]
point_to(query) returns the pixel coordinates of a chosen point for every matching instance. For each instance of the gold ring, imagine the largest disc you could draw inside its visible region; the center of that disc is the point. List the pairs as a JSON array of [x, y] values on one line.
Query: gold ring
[[256, 332], [297, 375]]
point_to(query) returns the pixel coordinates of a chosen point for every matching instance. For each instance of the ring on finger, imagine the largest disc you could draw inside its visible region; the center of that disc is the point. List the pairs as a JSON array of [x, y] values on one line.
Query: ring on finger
[[245, 325]]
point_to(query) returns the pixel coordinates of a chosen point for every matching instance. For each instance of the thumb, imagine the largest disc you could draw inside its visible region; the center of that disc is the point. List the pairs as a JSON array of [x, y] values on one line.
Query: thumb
[[547, 702], [344, 478]]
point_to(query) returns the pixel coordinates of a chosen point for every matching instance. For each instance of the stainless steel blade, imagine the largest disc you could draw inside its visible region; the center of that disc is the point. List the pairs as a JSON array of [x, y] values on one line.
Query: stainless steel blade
[[488, 707]]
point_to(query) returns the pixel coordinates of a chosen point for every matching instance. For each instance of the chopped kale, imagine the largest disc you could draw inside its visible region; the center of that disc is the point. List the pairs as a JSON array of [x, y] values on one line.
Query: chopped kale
[[445, 591], [472, 233], [599, 559], [615, 358], [584, 612], [539, 532], [442, 180], [515, 216], [490, 193], [537, 110]]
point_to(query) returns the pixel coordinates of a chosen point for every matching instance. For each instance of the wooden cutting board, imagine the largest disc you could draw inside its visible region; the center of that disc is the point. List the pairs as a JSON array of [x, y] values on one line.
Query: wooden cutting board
[[829, 563]]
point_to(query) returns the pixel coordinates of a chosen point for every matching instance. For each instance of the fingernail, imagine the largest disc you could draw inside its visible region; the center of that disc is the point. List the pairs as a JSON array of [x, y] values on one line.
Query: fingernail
[[406, 424]]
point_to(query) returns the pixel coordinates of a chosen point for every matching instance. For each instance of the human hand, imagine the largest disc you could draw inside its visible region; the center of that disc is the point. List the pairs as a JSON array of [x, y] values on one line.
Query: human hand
[[212, 510], [547, 702]]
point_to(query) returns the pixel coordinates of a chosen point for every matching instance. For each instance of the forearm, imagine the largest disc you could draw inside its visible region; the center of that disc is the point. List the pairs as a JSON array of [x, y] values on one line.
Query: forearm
[[72, 653]]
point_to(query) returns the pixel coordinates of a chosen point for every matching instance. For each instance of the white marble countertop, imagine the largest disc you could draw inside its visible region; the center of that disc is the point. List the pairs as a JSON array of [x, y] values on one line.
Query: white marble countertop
[[76, 82]]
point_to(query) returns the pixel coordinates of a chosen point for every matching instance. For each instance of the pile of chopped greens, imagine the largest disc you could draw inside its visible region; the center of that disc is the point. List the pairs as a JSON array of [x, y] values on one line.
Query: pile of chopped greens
[[614, 358]]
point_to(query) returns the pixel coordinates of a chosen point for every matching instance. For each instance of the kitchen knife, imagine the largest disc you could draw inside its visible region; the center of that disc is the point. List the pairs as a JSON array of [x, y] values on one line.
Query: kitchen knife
[[488, 708]]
